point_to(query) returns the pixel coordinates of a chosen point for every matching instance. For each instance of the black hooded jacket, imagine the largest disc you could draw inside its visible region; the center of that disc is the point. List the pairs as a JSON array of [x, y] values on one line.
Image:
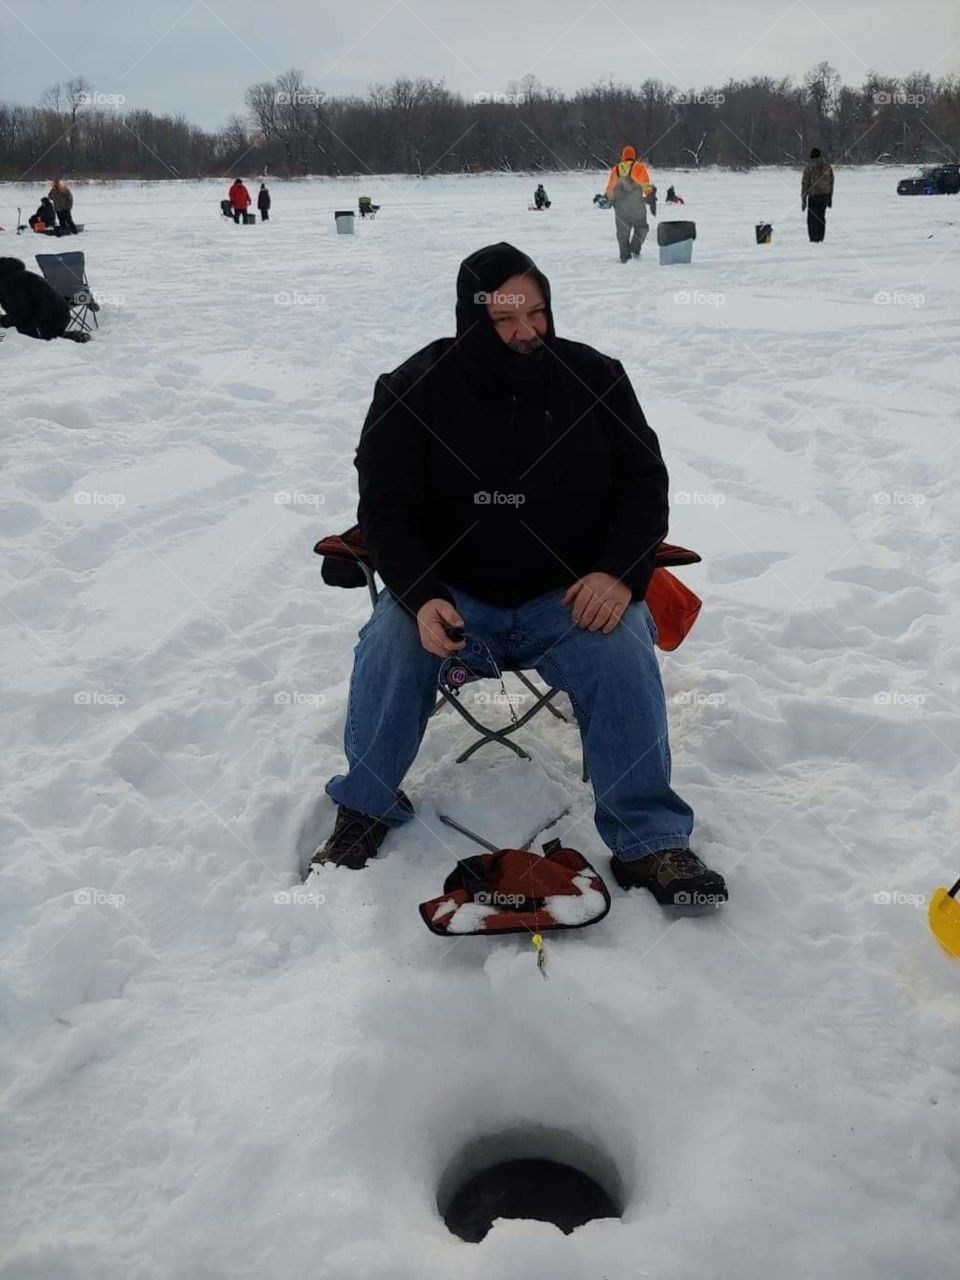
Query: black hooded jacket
[[31, 306], [507, 474]]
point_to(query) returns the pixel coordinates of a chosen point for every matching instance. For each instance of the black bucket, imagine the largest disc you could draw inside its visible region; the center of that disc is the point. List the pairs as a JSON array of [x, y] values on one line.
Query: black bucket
[[675, 232], [764, 232]]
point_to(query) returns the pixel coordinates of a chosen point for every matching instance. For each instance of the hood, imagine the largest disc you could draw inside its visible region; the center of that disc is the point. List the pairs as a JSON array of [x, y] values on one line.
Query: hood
[[10, 265], [477, 340], [628, 153]]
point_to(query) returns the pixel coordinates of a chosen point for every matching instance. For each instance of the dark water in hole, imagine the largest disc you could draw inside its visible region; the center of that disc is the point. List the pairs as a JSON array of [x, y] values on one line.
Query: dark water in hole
[[540, 1189]]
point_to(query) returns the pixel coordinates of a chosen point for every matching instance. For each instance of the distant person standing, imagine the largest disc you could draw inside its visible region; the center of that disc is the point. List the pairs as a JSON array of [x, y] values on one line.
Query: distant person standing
[[61, 197], [239, 198], [816, 194], [263, 202], [628, 186], [540, 199]]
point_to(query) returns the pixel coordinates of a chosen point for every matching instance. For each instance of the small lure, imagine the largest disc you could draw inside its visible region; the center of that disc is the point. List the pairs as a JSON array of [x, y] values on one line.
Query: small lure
[[537, 940]]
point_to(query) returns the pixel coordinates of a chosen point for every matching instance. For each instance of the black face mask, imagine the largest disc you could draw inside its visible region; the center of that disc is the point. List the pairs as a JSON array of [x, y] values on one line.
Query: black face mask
[[481, 348]]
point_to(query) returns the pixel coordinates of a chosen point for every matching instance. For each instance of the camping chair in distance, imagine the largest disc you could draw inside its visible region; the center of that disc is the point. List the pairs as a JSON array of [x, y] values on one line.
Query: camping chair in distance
[[66, 273], [346, 563], [367, 208]]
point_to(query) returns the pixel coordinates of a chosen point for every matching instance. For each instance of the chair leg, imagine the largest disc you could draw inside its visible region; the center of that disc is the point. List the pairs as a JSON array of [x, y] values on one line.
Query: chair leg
[[499, 735], [487, 734], [536, 692]]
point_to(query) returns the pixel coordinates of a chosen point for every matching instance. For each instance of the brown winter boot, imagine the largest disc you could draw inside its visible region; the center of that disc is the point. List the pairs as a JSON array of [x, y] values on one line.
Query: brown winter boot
[[675, 877]]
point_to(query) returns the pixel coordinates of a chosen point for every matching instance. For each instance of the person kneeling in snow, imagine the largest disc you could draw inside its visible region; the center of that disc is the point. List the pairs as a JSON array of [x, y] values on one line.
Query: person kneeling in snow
[[30, 305], [509, 484]]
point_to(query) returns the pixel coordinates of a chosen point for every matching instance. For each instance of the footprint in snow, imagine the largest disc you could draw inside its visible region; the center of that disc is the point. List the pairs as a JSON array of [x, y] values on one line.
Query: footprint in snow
[[246, 392], [750, 565]]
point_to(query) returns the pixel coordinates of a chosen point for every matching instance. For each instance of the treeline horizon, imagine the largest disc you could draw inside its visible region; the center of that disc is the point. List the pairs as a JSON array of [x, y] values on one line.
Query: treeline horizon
[[418, 126]]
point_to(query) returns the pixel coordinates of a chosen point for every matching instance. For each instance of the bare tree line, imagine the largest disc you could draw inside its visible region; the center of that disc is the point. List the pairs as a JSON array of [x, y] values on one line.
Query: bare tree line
[[419, 126]]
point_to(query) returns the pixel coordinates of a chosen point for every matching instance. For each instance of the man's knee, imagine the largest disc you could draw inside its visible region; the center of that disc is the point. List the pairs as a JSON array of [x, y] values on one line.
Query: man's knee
[[627, 651]]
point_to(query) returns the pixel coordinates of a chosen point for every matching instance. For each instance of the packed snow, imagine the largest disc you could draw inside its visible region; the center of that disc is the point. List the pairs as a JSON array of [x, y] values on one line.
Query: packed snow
[[211, 1070]]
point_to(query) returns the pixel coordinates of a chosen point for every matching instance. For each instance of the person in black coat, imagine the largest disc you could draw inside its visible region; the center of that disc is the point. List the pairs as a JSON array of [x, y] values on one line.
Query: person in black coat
[[45, 218], [28, 304], [263, 202], [513, 498]]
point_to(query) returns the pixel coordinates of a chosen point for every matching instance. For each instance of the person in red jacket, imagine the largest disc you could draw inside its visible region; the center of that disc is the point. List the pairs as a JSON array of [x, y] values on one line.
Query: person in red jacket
[[239, 198]]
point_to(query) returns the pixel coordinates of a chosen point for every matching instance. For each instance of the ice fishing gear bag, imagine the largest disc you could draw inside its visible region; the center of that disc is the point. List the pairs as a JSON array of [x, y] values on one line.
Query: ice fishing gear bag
[[517, 891]]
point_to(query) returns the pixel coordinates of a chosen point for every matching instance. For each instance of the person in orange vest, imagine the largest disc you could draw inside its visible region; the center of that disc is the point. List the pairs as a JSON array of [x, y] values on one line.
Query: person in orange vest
[[239, 198], [628, 187]]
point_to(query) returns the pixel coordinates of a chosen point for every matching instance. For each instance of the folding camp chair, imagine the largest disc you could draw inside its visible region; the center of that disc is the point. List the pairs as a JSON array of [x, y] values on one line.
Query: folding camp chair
[[66, 273], [347, 563], [367, 208]]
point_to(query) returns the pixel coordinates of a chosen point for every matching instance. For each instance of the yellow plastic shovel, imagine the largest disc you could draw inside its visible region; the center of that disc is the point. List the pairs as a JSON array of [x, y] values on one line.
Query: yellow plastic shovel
[[944, 917]]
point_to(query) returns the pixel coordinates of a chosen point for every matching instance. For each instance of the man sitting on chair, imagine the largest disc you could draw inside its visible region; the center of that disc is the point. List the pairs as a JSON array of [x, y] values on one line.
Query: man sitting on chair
[[30, 305], [510, 485]]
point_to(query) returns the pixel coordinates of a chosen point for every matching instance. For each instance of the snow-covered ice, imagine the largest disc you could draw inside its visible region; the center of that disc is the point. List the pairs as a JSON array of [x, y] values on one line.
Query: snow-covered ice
[[207, 1074]]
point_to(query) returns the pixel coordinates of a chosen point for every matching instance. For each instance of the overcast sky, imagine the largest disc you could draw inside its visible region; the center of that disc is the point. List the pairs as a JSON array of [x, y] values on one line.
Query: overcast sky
[[196, 57]]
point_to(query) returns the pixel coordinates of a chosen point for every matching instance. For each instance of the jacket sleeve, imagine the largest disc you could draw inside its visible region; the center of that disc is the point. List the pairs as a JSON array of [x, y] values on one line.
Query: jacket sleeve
[[390, 461], [805, 183], [639, 506], [612, 178], [68, 194]]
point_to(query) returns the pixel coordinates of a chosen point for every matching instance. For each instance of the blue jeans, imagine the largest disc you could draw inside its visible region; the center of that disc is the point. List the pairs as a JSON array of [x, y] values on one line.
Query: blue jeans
[[613, 682]]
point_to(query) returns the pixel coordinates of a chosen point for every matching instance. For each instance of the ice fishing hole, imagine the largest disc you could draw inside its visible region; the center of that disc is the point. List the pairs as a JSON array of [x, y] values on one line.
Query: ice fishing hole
[[544, 1175]]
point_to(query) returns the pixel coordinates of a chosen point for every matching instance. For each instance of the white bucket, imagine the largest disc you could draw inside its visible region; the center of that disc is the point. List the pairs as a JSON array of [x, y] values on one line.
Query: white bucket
[[680, 251]]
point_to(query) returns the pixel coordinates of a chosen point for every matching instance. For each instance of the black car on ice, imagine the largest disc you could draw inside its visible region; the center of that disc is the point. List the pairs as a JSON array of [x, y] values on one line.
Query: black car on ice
[[932, 180]]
